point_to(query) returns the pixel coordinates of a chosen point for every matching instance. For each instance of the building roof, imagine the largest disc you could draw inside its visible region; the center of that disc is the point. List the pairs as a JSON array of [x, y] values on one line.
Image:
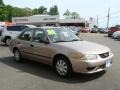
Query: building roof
[[72, 20]]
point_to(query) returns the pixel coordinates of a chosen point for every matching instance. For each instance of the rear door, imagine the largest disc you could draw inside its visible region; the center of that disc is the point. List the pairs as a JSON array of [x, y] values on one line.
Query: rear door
[[24, 43]]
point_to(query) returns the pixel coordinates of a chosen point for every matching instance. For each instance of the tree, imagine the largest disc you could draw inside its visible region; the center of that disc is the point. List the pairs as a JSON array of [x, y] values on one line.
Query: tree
[[75, 15], [17, 12], [2, 8], [26, 11], [35, 11], [21, 12], [54, 10], [67, 14], [9, 13], [95, 26], [42, 10]]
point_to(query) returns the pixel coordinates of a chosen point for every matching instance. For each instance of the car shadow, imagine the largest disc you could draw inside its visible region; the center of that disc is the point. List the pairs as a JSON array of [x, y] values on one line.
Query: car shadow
[[112, 38], [3, 45], [45, 71], [117, 39], [105, 35]]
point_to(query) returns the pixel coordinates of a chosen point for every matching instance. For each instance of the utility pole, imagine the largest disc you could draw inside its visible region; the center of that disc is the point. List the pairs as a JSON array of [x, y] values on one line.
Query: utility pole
[[97, 21], [108, 18], [94, 22]]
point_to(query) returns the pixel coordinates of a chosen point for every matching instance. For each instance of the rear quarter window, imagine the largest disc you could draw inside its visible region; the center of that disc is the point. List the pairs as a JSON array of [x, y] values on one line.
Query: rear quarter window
[[16, 28]]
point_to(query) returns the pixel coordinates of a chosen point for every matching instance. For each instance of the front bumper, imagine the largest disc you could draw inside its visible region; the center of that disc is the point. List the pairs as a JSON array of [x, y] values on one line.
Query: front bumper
[[2, 39], [91, 66]]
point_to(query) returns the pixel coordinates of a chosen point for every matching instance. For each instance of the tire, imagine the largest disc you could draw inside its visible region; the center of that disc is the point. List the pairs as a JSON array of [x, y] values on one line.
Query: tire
[[17, 55], [63, 67], [7, 41], [109, 35]]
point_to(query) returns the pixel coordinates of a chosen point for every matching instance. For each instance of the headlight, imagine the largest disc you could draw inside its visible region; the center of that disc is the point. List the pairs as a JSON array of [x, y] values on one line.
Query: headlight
[[90, 57], [76, 55], [110, 53]]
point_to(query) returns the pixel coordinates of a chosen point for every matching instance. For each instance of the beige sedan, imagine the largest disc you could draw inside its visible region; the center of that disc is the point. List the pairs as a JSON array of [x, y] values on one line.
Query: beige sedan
[[61, 49]]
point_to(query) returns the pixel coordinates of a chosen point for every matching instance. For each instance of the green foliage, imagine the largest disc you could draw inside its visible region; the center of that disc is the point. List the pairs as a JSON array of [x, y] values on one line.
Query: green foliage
[[117, 26], [54, 10], [1, 2], [35, 11], [2, 11], [75, 15], [71, 15], [8, 11], [95, 26], [20, 12], [42, 10], [67, 14]]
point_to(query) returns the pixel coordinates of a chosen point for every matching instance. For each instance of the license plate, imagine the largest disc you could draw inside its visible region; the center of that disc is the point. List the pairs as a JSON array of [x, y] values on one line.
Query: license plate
[[108, 63]]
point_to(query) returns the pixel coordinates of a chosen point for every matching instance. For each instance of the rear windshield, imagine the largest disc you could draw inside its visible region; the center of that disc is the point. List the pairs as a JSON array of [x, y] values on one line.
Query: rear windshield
[[16, 28]]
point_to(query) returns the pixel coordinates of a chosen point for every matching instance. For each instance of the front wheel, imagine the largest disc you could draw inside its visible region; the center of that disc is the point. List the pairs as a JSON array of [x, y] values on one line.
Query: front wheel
[[109, 35], [63, 67]]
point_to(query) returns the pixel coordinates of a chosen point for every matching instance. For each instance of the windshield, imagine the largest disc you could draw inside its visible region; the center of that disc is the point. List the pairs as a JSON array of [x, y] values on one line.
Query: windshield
[[61, 35]]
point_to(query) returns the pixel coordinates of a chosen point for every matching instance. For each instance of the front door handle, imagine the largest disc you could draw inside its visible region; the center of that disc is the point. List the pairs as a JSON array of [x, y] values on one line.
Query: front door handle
[[18, 42], [31, 45]]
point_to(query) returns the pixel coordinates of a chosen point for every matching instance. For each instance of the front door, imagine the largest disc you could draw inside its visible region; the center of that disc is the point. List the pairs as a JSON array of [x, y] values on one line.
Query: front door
[[40, 48]]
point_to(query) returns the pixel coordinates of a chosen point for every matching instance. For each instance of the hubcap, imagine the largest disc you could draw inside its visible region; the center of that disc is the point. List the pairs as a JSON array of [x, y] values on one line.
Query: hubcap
[[8, 41], [61, 67], [17, 55]]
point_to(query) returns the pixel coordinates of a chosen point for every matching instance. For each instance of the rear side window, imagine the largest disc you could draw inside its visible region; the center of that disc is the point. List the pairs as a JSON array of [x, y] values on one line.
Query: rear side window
[[16, 28]]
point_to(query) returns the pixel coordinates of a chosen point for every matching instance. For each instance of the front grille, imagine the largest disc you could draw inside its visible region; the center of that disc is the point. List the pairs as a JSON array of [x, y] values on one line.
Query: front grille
[[104, 55]]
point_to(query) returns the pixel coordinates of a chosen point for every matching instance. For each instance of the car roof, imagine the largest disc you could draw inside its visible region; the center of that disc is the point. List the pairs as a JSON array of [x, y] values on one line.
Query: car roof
[[45, 27], [21, 25]]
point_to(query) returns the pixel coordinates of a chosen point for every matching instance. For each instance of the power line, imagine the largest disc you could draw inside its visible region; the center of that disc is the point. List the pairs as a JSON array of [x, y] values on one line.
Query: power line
[[115, 12], [111, 14]]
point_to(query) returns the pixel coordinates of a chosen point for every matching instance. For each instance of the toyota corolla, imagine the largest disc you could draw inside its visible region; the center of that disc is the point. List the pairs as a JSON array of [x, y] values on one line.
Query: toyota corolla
[[61, 49]]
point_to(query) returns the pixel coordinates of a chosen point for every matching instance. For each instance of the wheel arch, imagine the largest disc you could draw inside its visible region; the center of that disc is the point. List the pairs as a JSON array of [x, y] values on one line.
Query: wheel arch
[[6, 37], [15, 48], [61, 55]]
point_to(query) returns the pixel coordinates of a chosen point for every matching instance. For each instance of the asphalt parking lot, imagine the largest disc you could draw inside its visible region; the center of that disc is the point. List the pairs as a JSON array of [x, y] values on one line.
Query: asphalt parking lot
[[35, 76]]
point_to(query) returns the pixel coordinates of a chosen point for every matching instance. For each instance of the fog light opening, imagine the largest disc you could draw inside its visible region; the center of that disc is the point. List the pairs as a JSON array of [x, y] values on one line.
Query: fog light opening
[[91, 68]]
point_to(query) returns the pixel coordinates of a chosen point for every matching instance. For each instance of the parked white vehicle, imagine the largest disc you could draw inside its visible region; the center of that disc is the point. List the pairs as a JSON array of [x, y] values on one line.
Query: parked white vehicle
[[11, 32], [116, 34]]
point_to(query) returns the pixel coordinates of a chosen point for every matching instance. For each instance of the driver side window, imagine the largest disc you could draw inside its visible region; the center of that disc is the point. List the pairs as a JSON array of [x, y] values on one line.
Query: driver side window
[[39, 36]]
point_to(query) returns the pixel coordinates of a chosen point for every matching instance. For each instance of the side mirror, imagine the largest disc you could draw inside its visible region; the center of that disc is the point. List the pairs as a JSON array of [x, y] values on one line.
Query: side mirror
[[77, 34]]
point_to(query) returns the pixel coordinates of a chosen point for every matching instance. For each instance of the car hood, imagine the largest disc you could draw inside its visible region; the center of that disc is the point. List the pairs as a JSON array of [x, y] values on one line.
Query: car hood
[[117, 32], [85, 47]]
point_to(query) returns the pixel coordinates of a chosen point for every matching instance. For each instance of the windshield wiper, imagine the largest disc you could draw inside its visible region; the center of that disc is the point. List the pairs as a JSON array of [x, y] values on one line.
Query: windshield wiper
[[76, 40], [60, 41], [67, 41]]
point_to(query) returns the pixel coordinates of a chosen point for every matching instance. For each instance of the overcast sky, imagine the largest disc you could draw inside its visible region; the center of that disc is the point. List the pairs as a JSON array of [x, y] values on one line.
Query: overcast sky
[[86, 8]]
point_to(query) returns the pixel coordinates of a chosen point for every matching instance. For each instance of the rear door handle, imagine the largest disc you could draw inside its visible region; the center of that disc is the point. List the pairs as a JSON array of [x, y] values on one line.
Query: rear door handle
[[31, 45]]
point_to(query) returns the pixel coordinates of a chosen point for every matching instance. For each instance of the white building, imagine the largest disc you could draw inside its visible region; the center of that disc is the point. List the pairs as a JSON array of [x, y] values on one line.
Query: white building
[[41, 20]]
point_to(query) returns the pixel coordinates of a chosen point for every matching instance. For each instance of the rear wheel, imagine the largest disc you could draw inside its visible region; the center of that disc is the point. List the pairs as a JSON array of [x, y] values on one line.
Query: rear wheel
[[109, 35], [63, 67], [17, 55], [7, 41]]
